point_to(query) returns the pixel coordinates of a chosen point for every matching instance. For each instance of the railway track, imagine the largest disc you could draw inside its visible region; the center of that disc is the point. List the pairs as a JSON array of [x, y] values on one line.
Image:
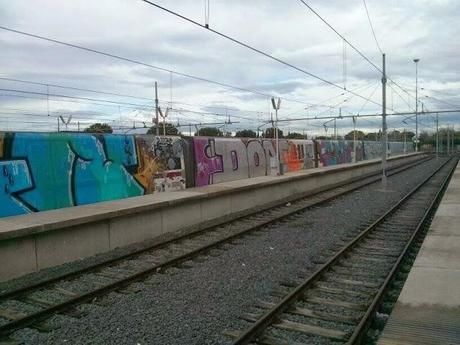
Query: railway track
[[337, 303], [30, 306]]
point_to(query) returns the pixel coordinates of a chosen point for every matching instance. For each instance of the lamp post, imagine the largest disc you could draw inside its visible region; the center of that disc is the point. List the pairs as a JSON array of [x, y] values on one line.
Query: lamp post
[[416, 104], [276, 107]]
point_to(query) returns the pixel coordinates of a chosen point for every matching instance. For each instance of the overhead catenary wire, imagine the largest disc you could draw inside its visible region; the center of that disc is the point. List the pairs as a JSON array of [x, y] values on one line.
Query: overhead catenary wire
[[71, 97], [47, 84], [145, 64], [372, 27], [352, 45], [341, 36], [250, 47], [72, 88]]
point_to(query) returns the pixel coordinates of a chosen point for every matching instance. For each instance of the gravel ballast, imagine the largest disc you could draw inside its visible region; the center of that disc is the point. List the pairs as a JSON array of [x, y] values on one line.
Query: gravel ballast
[[196, 304]]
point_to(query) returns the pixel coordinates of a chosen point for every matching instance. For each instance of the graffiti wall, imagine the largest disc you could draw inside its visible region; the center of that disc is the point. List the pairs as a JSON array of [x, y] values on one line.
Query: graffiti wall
[[161, 165], [399, 148], [228, 159], [372, 149], [332, 152], [44, 171]]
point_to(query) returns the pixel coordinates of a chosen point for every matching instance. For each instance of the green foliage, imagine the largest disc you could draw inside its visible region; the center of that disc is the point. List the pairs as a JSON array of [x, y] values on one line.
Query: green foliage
[[170, 129], [209, 132], [359, 135], [99, 128], [269, 133], [295, 135], [246, 133]]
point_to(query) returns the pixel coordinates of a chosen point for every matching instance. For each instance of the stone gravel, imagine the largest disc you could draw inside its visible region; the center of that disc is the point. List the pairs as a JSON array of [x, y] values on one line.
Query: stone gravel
[[196, 304]]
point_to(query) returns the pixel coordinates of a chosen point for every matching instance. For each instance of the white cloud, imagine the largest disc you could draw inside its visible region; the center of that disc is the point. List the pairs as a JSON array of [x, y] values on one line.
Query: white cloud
[[133, 29]]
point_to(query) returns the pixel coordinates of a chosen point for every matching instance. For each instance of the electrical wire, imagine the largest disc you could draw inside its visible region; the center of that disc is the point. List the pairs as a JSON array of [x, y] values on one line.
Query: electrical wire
[[370, 96], [248, 46], [372, 27], [137, 62], [341, 36], [71, 97], [72, 88], [351, 45]]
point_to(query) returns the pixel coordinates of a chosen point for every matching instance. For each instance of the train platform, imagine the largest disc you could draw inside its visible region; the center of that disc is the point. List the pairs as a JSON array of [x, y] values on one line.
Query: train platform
[[428, 309], [32, 242]]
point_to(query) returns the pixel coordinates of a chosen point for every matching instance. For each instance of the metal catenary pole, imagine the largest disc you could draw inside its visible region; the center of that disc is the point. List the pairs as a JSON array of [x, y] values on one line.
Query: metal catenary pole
[[416, 104], [448, 140], [384, 125], [437, 136], [276, 106], [157, 122], [354, 139]]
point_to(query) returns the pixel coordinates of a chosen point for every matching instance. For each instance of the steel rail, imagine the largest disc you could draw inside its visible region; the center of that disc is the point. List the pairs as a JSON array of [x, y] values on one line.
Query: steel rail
[[269, 317], [44, 314], [70, 275], [363, 324]]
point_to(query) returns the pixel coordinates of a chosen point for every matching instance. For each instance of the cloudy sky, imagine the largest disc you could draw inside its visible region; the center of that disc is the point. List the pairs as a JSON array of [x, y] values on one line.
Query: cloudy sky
[[286, 29]]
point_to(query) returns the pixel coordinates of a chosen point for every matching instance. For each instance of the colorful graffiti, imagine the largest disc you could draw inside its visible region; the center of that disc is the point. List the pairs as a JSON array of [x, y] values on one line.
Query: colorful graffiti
[[48, 171], [44, 171], [161, 163], [372, 149], [224, 159], [332, 152]]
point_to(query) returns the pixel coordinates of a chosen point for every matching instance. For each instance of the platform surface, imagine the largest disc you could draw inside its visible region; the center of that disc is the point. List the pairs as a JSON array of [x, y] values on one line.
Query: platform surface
[[428, 309]]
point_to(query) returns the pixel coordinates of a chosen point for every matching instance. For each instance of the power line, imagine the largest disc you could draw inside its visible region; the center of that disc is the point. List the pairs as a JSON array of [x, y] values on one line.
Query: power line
[[372, 27], [370, 96], [351, 45], [322, 103], [341, 36], [396, 92], [119, 95], [137, 62], [71, 99], [246, 45], [73, 88], [440, 100]]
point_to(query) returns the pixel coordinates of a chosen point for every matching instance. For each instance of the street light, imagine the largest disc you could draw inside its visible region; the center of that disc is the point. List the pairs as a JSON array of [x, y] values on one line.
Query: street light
[[416, 104]]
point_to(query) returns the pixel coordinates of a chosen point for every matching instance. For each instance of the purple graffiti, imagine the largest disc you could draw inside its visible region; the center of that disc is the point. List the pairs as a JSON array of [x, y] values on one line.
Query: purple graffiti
[[207, 161]]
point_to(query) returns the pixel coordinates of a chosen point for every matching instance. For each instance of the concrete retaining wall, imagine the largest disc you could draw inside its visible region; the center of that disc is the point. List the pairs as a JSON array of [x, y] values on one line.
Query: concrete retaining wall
[[33, 242]]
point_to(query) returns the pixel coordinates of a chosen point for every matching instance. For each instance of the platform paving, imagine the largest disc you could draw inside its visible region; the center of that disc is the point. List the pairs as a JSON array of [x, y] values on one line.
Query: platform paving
[[428, 308]]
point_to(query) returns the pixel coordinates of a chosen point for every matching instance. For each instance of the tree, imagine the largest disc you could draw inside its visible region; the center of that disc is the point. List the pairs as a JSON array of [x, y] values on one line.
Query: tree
[[246, 133], [209, 132], [170, 129], [372, 136], [99, 128], [295, 135], [359, 135], [269, 133]]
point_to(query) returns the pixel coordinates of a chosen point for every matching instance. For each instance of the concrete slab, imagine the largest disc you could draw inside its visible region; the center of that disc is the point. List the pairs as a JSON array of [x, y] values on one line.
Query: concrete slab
[[449, 209], [71, 244], [428, 308], [181, 216], [135, 228], [440, 251], [428, 286], [17, 256], [441, 225]]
